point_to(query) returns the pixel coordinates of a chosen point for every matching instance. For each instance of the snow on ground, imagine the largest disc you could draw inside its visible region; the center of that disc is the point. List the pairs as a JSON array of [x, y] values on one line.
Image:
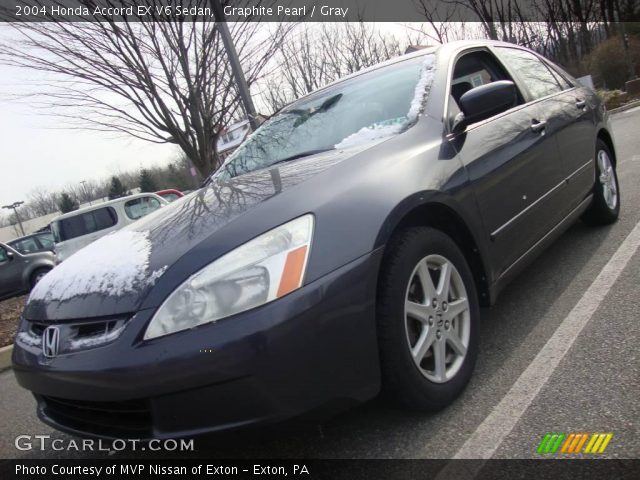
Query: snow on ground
[[114, 265]]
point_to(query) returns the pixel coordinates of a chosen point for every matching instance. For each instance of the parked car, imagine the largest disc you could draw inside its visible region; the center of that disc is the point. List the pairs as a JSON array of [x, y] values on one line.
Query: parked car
[[170, 194], [75, 230], [19, 273], [344, 248], [36, 242]]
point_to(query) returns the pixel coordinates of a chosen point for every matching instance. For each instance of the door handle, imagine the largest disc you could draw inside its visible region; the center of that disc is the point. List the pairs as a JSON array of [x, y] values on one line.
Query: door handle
[[538, 126], [580, 103]]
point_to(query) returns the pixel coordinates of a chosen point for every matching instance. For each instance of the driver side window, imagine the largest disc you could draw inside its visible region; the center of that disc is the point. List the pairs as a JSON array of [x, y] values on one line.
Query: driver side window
[[473, 70]]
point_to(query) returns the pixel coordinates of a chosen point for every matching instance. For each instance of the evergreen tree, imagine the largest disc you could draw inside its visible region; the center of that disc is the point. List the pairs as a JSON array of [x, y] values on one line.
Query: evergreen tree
[[117, 189], [147, 183], [67, 203]]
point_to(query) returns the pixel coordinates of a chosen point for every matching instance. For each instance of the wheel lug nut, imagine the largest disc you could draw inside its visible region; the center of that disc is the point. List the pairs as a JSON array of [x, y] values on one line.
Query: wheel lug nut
[[445, 306], [434, 304], [438, 335], [446, 325], [430, 321]]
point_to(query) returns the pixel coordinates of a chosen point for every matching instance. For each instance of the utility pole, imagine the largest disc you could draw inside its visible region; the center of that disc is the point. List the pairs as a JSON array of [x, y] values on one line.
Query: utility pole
[[14, 206], [236, 68], [84, 187]]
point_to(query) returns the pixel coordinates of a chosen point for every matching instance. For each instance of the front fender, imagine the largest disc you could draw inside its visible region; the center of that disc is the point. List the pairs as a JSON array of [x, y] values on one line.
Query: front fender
[[33, 266]]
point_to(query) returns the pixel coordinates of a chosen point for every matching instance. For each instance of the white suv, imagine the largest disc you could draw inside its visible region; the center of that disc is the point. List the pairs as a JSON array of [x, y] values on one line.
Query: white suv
[[75, 230]]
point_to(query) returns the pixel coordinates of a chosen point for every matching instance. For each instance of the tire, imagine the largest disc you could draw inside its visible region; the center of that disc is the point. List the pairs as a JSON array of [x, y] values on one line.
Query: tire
[[419, 384], [37, 275], [605, 208]]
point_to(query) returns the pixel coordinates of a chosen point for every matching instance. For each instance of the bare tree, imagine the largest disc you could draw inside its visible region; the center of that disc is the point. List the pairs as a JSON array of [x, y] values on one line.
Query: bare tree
[[303, 63], [167, 80], [564, 30], [42, 202], [434, 32]]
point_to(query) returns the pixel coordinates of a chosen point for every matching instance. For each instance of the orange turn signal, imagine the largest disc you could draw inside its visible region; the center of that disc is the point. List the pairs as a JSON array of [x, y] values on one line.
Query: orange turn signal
[[293, 270]]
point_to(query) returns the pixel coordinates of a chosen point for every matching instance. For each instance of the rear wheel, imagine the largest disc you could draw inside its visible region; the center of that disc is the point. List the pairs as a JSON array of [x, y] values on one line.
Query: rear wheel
[[605, 207], [427, 319], [37, 276]]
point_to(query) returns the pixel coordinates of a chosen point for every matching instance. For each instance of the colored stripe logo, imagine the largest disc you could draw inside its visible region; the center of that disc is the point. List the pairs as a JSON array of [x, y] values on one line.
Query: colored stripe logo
[[574, 443]]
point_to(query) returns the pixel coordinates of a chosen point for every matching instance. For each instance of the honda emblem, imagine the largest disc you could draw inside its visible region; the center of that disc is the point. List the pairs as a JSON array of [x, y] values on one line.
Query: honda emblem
[[50, 341]]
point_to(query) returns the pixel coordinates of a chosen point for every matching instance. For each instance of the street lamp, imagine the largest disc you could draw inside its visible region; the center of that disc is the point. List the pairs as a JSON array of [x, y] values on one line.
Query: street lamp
[[14, 206], [84, 188]]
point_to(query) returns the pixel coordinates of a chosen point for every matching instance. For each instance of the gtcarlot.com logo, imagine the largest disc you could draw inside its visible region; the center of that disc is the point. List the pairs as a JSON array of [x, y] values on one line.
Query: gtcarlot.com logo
[[45, 442], [574, 443]]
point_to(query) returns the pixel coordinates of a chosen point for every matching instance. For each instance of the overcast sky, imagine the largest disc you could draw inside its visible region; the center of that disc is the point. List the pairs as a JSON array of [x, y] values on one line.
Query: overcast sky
[[36, 154]]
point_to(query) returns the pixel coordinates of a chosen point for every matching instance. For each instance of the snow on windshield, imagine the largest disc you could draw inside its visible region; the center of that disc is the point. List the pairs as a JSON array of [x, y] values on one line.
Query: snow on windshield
[[112, 266], [386, 129]]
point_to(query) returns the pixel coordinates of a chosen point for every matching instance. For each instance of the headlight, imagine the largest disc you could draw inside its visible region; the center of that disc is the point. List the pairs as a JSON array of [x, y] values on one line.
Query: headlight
[[263, 269]]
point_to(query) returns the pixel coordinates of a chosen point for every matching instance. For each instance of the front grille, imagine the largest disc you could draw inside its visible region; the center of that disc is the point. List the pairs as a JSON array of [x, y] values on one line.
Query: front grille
[[76, 335], [128, 419]]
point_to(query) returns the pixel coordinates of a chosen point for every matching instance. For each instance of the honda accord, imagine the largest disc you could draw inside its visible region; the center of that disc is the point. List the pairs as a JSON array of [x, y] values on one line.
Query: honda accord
[[344, 249]]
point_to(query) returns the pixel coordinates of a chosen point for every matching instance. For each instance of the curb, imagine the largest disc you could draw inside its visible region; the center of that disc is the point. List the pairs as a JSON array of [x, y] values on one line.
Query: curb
[[628, 106], [5, 357]]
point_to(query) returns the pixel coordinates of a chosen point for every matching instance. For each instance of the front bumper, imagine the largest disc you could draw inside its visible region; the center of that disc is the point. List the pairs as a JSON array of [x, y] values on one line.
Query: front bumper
[[312, 349]]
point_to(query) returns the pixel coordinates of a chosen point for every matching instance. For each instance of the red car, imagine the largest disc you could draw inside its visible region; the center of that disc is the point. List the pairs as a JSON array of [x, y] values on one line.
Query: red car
[[170, 194]]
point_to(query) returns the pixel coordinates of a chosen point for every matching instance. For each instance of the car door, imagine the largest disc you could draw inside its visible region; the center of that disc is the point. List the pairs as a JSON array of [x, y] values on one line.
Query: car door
[[576, 140], [512, 164], [566, 112], [10, 271]]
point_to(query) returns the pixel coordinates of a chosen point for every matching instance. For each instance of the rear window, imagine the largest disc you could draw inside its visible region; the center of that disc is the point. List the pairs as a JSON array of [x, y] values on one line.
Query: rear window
[[140, 207], [84, 224]]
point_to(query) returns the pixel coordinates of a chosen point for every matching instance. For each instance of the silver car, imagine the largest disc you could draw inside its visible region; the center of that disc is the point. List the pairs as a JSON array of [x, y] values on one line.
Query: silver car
[[19, 273]]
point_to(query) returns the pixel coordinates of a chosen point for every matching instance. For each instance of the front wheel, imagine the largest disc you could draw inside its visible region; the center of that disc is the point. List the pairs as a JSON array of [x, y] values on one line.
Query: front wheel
[[428, 317], [37, 276], [605, 207]]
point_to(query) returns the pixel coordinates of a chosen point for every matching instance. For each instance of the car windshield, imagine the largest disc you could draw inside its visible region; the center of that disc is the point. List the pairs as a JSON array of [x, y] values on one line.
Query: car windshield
[[370, 106]]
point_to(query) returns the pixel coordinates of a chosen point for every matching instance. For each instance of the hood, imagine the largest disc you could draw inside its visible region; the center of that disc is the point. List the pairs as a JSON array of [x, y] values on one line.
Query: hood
[[113, 275]]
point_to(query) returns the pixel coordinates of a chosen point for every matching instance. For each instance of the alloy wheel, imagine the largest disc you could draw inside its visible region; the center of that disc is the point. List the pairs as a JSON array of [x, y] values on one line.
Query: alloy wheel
[[437, 318], [607, 180]]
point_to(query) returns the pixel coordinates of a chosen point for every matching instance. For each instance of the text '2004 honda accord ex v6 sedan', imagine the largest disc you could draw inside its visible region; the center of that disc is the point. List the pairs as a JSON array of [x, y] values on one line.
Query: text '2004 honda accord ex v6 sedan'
[[344, 248]]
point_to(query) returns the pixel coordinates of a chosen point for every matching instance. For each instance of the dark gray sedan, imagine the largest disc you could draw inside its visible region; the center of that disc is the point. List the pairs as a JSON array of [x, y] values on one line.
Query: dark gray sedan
[[344, 248]]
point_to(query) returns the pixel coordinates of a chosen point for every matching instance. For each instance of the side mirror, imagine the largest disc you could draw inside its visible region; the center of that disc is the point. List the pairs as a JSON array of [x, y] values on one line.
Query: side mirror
[[485, 101], [10, 255]]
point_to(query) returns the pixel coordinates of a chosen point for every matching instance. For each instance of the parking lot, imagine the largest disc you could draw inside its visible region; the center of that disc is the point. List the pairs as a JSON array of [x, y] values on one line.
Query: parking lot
[[559, 353]]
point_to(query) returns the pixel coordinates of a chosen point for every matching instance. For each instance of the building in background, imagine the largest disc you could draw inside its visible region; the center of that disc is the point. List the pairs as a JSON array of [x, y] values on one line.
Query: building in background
[[232, 137]]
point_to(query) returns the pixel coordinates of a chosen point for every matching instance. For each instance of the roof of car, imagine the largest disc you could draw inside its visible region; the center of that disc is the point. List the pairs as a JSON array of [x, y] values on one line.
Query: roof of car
[[106, 204], [168, 190]]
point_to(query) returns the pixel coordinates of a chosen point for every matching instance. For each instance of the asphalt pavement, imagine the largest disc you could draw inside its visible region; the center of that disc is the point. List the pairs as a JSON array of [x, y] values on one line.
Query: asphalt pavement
[[579, 303]]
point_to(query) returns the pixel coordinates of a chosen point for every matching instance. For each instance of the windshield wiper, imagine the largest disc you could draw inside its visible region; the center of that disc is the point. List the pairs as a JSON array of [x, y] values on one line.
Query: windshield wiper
[[307, 153], [306, 114]]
